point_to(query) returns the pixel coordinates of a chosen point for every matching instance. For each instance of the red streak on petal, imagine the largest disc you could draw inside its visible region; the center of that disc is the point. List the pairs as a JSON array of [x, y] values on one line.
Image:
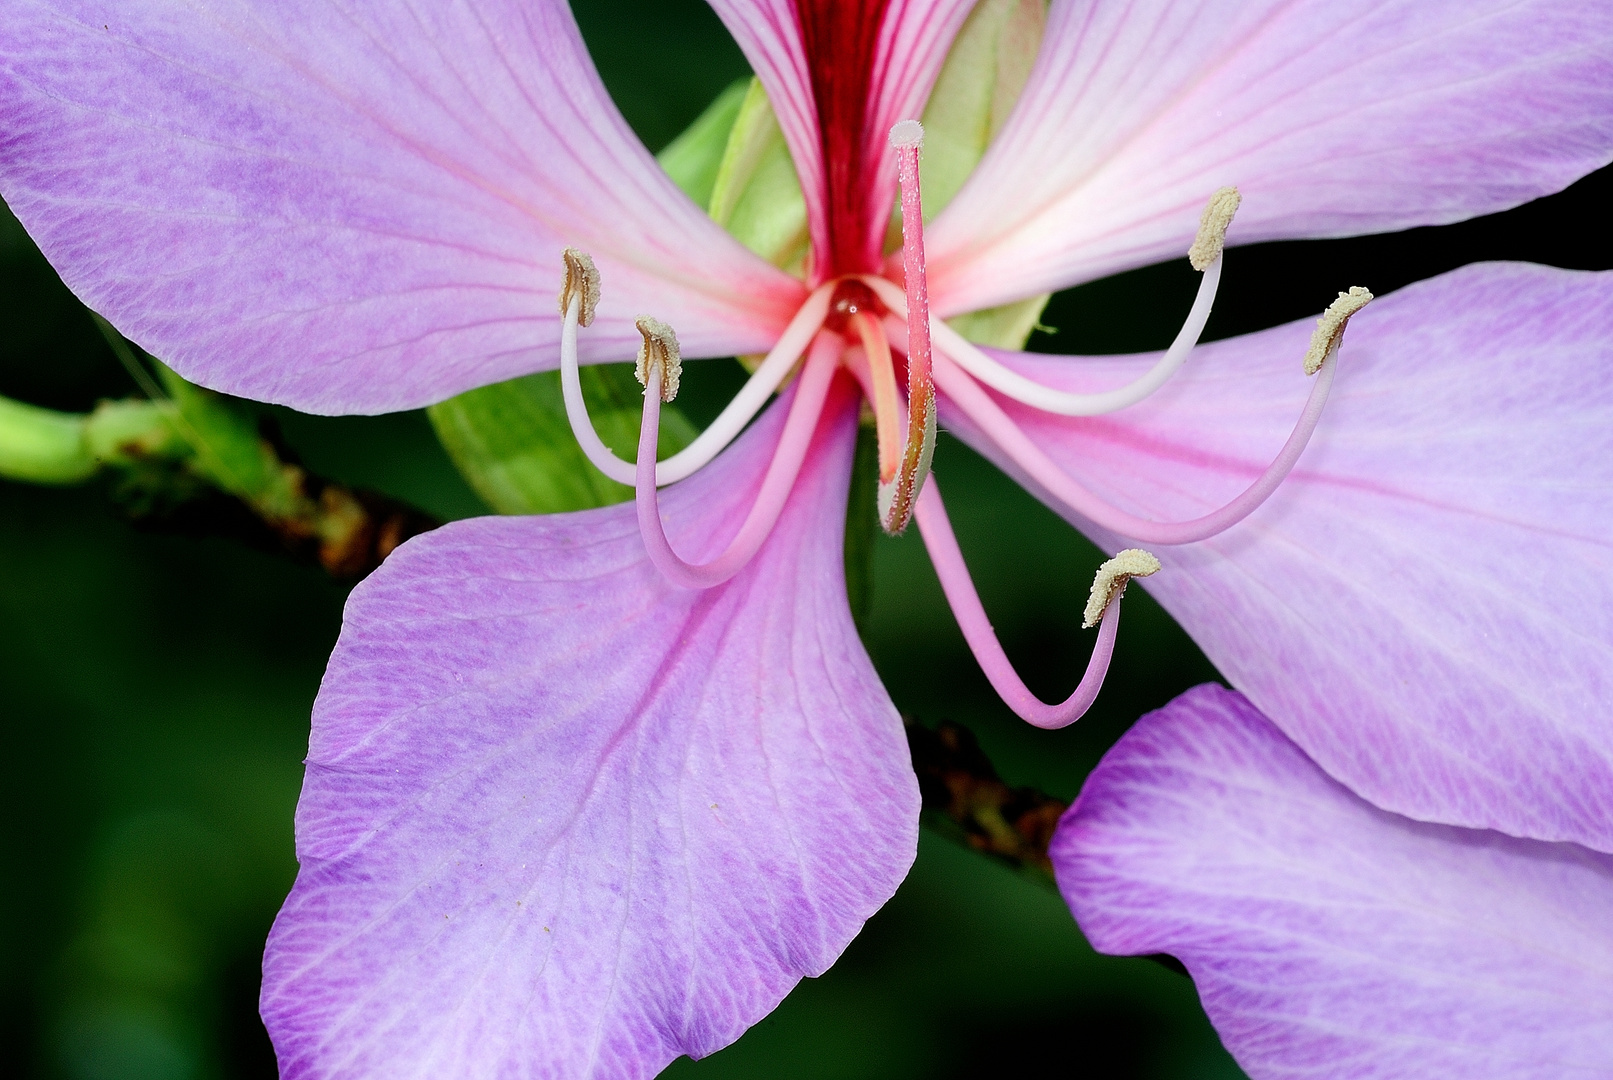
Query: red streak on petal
[[841, 38]]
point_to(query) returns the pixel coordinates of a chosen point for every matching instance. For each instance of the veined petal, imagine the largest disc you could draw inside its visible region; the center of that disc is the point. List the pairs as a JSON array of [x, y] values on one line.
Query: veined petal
[[561, 819], [846, 136], [1328, 938], [1333, 120], [352, 208], [1426, 605]]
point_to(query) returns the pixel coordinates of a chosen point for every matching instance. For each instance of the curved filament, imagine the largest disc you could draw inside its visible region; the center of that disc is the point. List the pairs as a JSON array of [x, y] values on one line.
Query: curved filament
[[881, 392], [729, 423], [1001, 429], [971, 615], [788, 456], [1012, 384]]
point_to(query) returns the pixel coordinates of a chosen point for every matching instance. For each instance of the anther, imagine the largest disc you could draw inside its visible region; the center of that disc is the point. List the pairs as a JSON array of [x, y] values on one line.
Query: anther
[[660, 350], [582, 281], [1213, 223], [1329, 330], [1110, 581]]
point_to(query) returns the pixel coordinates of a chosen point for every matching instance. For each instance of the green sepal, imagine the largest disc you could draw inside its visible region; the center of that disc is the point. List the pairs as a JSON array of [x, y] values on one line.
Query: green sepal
[[512, 443], [757, 195], [979, 83], [1006, 327], [693, 159]]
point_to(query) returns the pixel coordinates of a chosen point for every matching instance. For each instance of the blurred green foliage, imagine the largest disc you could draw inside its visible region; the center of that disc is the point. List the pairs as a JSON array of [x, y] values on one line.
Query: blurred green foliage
[[155, 689], [513, 443]]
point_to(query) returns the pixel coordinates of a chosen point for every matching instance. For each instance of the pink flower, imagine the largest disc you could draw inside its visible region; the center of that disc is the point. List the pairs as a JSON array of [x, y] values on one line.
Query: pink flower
[[564, 816]]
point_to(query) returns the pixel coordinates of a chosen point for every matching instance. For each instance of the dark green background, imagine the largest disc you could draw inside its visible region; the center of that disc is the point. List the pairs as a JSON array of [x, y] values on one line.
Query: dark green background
[[155, 688]]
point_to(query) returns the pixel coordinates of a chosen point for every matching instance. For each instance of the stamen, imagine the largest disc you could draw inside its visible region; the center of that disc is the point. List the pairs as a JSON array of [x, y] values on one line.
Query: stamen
[[581, 284], [799, 427], [659, 351], [882, 376], [971, 615], [1329, 332], [896, 498], [1109, 584], [580, 295], [1001, 429], [1212, 234]]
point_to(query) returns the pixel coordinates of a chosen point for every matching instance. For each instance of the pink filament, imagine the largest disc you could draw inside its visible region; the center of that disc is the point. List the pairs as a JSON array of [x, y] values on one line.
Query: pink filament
[[881, 392], [788, 457], [1002, 430], [971, 615]]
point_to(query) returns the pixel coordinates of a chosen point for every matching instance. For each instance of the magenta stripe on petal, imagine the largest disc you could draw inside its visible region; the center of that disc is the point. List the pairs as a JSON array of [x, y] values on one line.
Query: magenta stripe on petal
[[562, 819], [1331, 940], [352, 208]]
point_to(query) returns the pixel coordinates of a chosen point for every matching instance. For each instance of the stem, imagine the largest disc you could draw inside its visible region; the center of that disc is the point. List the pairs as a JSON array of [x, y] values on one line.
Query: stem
[[43, 446]]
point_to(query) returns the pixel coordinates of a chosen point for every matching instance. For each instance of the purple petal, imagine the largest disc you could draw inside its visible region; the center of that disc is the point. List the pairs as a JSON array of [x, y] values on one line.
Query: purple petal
[[913, 42], [1333, 119], [1426, 605], [561, 819], [352, 208], [1329, 938]]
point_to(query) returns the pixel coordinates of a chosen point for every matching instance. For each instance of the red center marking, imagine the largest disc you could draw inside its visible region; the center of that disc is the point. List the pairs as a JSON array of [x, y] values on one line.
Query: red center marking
[[850, 297], [841, 37]]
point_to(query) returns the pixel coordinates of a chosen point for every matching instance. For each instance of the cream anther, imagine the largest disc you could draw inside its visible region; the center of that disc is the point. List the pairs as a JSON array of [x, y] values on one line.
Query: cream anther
[[907, 133], [1212, 236], [1111, 580], [660, 350], [582, 281], [1330, 327]]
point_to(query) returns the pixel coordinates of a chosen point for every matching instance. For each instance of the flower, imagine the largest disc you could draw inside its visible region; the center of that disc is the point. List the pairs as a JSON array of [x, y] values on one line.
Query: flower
[[564, 816]]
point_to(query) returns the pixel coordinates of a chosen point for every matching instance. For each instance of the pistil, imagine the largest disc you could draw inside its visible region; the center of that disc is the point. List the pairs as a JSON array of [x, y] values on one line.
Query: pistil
[[897, 496]]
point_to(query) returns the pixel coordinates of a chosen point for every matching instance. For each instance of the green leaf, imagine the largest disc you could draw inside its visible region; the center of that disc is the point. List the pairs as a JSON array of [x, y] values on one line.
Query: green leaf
[[513, 444], [694, 157]]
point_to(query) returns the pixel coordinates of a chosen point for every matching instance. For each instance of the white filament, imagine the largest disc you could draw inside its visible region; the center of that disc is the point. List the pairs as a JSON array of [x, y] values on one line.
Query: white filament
[[729, 423], [1062, 402]]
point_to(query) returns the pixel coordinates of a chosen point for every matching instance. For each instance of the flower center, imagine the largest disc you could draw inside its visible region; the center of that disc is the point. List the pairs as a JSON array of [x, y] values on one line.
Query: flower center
[[858, 320]]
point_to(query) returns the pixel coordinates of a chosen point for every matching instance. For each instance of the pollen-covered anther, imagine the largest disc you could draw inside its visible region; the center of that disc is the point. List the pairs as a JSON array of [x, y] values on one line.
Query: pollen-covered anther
[[659, 350], [582, 281], [1111, 580], [1213, 224], [1330, 327]]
